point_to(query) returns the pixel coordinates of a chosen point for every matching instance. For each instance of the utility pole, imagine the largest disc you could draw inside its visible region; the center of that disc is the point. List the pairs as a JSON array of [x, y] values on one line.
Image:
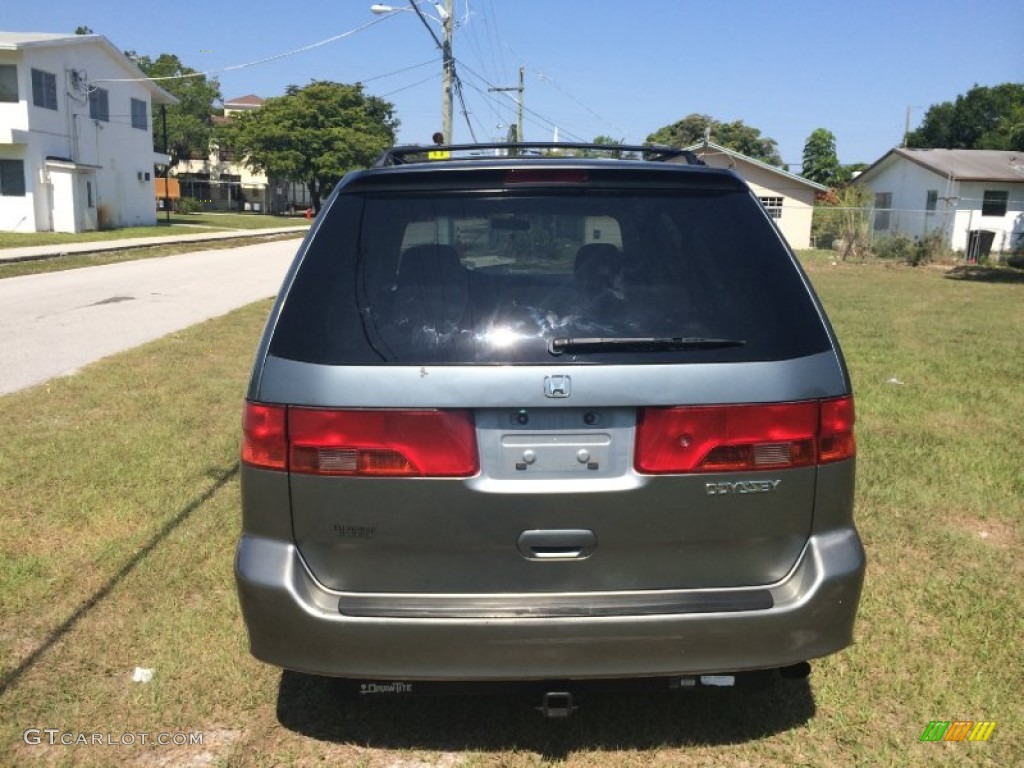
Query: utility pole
[[167, 168], [906, 124], [448, 78], [519, 89], [446, 16]]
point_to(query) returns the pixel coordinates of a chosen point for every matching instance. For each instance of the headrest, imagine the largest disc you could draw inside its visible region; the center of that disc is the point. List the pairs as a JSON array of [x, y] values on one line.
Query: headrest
[[431, 264], [597, 262]]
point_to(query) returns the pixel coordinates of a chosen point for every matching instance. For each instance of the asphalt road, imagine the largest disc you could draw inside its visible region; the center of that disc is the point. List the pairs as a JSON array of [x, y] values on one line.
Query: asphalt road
[[53, 324]]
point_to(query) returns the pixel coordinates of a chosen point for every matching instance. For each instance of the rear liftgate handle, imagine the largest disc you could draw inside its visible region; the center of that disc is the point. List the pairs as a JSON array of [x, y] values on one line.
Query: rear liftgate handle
[[565, 544]]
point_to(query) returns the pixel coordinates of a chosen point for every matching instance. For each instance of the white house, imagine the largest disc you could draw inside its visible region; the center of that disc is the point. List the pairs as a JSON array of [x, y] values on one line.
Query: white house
[[76, 142], [975, 197], [788, 198]]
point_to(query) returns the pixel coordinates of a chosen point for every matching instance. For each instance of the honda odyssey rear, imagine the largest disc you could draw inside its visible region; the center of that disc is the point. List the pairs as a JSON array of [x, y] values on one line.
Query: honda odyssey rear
[[530, 417]]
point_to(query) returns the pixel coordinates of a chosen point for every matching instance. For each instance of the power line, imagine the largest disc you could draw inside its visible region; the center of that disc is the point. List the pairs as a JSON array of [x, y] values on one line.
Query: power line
[[469, 32], [499, 45], [550, 124], [548, 79], [430, 29], [541, 122], [407, 87], [496, 44], [234, 67], [462, 101], [398, 71]]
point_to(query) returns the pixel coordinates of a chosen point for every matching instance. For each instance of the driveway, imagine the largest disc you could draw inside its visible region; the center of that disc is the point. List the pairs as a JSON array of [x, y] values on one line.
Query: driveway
[[53, 324]]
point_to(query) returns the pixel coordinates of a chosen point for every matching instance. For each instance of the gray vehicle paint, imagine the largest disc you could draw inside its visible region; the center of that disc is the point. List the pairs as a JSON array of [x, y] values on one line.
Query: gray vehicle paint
[[558, 558]]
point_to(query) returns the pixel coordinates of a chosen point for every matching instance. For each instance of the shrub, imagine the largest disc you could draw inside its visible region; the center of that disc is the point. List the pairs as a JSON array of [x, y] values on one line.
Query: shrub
[[915, 252], [104, 219], [840, 221], [1016, 257], [824, 226], [931, 247], [895, 248], [186, 205]]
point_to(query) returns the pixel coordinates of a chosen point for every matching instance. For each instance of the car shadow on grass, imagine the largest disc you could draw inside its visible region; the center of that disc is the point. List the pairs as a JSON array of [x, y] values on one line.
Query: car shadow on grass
[[607, 720], [982, 274], [220, 477]]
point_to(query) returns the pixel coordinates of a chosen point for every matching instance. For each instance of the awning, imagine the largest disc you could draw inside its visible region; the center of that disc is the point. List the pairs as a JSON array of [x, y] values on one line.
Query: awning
[[61, 164]]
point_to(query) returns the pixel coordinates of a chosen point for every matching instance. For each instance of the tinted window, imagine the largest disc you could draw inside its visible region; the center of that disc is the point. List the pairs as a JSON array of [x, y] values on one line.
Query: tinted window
[[494, 277]]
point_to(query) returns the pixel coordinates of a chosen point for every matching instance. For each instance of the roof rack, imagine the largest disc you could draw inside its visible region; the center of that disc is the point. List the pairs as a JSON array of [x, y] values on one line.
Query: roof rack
[[418, 153]]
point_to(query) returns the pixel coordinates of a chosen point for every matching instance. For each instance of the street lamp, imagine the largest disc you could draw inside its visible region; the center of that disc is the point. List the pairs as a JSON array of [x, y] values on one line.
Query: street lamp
[[447, 22]]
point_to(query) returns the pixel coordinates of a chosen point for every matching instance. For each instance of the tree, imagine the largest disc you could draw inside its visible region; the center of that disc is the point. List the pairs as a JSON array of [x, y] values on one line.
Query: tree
[[190, 121], [605, 141], [983, 118], [820, 163], [83, 30], [314, 134], [685, 132], [736, 136], [841, 219]]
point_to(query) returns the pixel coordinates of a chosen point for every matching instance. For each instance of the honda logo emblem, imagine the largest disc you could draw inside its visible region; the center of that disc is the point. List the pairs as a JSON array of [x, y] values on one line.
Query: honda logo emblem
[[557, 386]]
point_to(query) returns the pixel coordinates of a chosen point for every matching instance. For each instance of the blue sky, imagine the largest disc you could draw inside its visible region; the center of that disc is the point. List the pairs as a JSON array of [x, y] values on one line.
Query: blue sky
[[597, 66]]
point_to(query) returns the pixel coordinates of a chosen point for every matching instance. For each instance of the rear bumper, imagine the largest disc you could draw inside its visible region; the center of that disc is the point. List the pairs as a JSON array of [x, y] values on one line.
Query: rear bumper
[[295, 623]]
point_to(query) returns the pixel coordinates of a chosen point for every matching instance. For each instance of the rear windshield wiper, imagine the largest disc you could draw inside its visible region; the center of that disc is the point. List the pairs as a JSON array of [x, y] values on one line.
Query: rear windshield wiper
[[638, 344]]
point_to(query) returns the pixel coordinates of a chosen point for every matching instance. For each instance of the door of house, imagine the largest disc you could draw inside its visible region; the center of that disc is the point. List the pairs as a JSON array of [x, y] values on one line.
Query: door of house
[[86, 201]]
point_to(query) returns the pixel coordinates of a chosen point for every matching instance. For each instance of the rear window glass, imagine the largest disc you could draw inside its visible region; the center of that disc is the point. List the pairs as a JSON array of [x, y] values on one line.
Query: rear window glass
[[449, 278]]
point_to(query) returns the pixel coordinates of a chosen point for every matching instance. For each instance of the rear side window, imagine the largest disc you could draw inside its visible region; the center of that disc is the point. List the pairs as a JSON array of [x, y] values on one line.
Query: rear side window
[[461, 277]]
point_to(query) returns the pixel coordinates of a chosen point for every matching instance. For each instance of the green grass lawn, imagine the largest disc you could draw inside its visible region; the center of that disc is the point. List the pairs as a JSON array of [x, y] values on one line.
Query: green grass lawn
[[121, 513]]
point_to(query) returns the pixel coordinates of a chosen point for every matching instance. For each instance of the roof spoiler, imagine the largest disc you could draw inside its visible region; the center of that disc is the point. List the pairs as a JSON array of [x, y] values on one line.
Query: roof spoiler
[[417, 153]]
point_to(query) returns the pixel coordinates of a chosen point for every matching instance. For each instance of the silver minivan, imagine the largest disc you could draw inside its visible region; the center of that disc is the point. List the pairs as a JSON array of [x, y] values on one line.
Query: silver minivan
[[526, 416]]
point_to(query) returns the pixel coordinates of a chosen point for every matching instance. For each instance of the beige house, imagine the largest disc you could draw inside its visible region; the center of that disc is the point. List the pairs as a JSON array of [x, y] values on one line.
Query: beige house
[[222, 182], [788, 198]]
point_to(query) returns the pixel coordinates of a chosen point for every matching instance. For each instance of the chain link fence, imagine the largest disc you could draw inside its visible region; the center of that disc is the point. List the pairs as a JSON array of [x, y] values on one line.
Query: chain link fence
[[960, 230]]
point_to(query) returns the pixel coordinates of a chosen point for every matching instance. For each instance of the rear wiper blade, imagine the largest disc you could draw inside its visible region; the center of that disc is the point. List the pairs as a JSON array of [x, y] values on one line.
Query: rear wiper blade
[[638, 344]]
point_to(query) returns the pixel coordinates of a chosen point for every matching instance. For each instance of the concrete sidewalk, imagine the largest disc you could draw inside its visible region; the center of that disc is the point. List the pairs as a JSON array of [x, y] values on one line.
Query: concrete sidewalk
[[34, 252]]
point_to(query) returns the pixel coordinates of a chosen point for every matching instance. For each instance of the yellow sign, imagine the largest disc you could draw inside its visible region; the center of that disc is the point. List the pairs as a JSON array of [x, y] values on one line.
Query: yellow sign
[[438, 154]]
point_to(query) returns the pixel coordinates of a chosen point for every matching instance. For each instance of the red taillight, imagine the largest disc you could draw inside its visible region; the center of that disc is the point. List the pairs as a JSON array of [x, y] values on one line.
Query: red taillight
[[382, 443], [264, 439], [836, 440], [729, 438]]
